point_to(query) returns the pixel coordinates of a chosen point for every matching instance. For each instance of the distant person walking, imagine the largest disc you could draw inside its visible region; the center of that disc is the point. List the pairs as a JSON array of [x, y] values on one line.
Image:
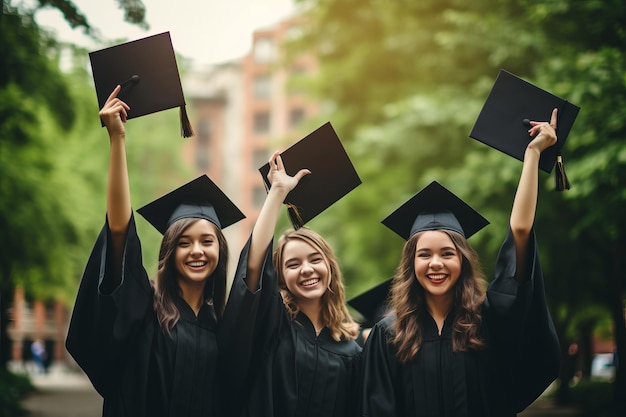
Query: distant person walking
[[38, 351]]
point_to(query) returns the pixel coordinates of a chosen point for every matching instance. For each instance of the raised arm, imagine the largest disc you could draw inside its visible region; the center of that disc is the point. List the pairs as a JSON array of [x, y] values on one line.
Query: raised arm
[[525, 202], [263, 231], [114, 114]]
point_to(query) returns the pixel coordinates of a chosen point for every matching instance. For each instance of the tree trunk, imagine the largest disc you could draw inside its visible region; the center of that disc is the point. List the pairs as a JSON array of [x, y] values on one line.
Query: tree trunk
[[617, 310], [6, 297], [563, 396], [585, 334]]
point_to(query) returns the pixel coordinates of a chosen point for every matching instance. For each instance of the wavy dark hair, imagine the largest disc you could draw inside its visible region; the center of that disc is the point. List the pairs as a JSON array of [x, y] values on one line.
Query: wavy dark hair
[[407, 300], [167, 276], [335, 315]]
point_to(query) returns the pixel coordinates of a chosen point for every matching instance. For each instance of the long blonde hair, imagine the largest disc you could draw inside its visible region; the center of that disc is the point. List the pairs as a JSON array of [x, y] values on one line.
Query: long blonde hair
[[408, 301], [334, 313]]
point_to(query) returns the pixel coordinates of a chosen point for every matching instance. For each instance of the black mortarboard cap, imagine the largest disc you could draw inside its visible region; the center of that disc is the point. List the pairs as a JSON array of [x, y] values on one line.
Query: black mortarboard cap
[[199, 198], [504, 120], [372, 304], [147, 71], [435, 208], [332, 174]]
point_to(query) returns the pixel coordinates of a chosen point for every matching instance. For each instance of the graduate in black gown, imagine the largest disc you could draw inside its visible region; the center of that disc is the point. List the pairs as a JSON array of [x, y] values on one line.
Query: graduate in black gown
[[448, 347], [371, 306], [290, 312], [150, 349]]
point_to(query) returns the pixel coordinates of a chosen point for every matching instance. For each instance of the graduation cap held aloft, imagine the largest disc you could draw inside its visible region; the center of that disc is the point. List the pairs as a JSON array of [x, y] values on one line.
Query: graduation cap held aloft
[[372, 304], [200, 198], [332, 174], [504, 121], [147, 72], [435, 208]]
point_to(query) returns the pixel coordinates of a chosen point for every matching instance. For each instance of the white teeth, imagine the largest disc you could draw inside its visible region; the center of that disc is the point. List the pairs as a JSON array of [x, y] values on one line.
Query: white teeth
[[198, 263], [437, 277], [309, 282]]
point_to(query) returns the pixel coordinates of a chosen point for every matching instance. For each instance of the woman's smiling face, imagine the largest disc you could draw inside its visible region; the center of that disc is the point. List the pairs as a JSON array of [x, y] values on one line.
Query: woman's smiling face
[[304, 270], [437, 264], [197, 252]]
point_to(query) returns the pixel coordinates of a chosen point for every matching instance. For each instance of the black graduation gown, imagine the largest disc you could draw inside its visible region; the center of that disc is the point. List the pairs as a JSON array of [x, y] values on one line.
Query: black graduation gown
[[131, 361], [521, 360], [277, 366]]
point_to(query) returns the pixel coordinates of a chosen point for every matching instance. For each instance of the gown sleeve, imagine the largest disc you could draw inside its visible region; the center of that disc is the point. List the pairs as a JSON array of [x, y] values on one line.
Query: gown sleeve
[[520, 326], [104, 324], [379, 378], [249, 324]]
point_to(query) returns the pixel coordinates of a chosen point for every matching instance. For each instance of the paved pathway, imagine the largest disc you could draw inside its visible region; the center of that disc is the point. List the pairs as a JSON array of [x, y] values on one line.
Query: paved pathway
[[71, 395], [63, 395], [544, 407]]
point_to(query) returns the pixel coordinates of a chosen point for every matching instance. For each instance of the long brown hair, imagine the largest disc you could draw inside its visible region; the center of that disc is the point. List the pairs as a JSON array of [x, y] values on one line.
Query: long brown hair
[[408, 301], [334, 313], [167, 283]]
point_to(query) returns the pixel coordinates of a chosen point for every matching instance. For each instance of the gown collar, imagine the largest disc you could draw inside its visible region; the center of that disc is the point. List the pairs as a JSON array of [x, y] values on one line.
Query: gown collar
[[429, 325], [206, 316], [309, 329]]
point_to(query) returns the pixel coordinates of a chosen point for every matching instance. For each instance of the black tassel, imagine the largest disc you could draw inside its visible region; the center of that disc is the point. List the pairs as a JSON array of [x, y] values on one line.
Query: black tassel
[[185, 126], [560, 177], [294, 216]]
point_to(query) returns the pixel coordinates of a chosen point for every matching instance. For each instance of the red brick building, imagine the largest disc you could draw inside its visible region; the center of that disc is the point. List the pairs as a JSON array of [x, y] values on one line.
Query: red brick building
[[30, 321]]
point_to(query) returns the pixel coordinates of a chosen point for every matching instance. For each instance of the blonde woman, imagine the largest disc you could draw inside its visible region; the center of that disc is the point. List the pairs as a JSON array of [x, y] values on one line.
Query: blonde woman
[[292, 350]]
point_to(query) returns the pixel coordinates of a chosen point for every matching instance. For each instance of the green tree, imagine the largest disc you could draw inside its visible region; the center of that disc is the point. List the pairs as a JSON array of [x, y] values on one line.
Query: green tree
[[38, 219], [589, 66], [28, 111]]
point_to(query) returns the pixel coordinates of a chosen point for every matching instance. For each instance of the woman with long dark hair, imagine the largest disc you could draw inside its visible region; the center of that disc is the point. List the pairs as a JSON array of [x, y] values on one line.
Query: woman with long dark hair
[[150, 349], [451, 346]]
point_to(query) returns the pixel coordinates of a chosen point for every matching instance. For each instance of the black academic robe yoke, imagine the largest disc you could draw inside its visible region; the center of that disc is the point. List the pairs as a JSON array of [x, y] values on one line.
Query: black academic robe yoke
[[116, 339], [521, 360], [278, 366]]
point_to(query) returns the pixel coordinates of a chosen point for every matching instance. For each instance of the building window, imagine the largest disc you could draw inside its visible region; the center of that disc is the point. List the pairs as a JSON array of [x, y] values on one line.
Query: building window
[[294, 33], [204, 132], [262, 122], [202, 145], [296, 115], [297, 80], [259, 158], [262, 86], [202, 159], [263, 50]]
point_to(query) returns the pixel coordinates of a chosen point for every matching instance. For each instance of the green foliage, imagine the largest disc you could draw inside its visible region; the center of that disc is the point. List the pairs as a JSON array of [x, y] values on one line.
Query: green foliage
[[378, 52], [579, 318], [134, 12], [594, 399], [404, 81], [13, 388], [30, 213], [35, 213], [26, 64], [53, 160]]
